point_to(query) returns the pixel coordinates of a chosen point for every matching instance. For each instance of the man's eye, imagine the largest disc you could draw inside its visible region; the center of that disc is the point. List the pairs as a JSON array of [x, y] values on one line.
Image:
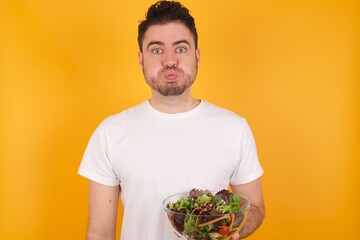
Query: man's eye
[[181, 50], [157, 51]]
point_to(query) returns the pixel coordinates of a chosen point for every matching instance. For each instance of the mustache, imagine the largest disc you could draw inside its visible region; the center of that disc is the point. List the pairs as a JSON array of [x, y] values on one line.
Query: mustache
[[177, 70]]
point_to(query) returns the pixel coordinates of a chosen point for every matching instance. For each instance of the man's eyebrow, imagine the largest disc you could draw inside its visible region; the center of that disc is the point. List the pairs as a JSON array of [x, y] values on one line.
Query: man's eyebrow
[[155, 43], [162, 43], [181, 41]]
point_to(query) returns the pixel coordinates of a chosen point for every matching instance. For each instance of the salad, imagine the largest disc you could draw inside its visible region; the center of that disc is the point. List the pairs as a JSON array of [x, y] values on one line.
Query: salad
[[206, 216]]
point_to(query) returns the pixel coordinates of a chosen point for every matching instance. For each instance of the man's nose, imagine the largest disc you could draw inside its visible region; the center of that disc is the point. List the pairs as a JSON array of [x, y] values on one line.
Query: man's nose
[[170, 60]]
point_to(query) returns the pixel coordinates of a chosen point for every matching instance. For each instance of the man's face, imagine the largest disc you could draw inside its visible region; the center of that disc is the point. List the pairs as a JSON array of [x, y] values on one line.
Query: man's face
[[169, 59]]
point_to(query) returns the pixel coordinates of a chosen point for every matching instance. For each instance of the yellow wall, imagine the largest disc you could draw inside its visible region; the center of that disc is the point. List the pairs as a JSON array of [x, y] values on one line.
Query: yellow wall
[[290, 67]]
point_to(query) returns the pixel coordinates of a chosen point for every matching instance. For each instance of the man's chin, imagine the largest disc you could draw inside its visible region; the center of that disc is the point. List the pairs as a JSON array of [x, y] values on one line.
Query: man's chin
[[171, 91]]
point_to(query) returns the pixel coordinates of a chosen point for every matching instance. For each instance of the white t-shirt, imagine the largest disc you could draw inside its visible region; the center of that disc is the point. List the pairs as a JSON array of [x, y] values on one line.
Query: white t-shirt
[[153, 155]]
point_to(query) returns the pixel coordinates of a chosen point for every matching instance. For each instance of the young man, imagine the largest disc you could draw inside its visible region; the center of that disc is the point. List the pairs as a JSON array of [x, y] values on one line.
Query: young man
[[168, 144]]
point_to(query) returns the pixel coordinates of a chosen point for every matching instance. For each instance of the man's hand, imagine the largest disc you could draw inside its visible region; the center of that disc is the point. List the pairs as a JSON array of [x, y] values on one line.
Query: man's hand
[[256, 212], [235, 237]]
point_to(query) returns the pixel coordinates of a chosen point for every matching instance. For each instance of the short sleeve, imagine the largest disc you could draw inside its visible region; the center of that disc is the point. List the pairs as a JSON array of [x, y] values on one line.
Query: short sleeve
[[248, 166], [95, 164]]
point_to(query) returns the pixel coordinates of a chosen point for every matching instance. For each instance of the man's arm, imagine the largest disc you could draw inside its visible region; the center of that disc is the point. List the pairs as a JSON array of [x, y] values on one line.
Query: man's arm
[[256, 214], [103, 208]]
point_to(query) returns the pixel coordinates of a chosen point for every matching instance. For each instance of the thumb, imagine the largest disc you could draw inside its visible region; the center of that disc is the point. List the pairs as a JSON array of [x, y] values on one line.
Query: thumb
[[235, 237]]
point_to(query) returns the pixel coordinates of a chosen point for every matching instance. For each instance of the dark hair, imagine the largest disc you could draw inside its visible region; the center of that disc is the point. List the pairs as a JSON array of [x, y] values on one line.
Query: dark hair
[[163, 12]]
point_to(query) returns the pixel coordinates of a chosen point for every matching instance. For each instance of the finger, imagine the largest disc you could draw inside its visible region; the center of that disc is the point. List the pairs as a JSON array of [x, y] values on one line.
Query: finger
[[235, 237]]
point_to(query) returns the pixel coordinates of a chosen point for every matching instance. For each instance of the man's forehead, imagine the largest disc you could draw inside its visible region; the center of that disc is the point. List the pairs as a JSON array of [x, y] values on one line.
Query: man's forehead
[[169, 33]]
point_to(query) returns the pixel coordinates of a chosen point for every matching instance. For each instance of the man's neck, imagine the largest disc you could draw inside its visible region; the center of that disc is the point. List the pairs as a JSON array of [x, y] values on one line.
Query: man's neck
[[173, 104]]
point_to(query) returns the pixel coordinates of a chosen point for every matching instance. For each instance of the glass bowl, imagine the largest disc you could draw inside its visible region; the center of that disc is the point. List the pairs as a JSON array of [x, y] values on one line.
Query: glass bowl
[[206, 215]]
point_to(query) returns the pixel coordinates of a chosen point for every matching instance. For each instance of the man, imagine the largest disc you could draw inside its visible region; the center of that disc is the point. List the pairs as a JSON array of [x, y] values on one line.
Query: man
[[168, 144]]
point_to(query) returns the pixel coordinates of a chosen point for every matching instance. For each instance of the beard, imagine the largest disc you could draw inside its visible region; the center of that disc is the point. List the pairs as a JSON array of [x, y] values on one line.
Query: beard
[[171, 88]]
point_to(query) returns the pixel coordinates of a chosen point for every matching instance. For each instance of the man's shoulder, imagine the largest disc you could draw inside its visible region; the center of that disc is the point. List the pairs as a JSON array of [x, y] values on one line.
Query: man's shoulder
[[128, 114], [216, 110]]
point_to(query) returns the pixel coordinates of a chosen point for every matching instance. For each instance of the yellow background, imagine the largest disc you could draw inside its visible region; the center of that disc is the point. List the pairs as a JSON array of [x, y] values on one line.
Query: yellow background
[[290, 67]]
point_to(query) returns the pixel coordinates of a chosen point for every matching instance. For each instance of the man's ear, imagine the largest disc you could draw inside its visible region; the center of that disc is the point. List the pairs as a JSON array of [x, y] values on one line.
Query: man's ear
[[197, 55], [140, 58]]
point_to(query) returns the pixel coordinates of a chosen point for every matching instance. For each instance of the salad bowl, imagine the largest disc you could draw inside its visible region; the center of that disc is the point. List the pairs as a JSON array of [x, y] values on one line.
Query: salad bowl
[[206, 215]]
